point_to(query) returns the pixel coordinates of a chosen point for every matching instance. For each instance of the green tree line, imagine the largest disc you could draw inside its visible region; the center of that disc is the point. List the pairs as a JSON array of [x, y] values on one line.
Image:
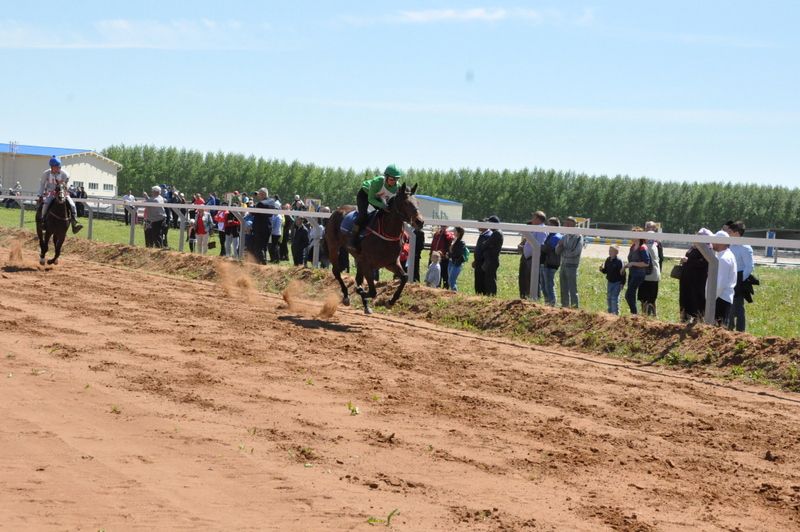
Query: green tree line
[[511, 194]]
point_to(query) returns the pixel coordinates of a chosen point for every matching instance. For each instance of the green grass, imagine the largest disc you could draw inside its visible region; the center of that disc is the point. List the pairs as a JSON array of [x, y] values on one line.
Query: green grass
[[769, 315], [113, 232]]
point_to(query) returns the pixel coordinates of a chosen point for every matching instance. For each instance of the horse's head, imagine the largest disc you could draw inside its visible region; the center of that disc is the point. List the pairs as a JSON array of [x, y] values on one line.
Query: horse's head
[[404, 204], [61, 193]]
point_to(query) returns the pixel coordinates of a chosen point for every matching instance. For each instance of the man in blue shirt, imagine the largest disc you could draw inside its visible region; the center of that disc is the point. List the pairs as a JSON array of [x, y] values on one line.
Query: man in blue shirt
[[744, 267]]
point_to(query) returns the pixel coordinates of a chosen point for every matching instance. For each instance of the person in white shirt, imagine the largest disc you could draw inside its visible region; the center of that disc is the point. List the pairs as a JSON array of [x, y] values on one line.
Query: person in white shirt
[[275, 237], [128, 197], [726, 279], [744, 267]]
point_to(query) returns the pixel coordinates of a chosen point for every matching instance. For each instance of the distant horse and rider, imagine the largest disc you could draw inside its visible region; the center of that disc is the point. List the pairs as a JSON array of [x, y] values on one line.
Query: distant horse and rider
[[53, 225], [56, 210], [382, 239]]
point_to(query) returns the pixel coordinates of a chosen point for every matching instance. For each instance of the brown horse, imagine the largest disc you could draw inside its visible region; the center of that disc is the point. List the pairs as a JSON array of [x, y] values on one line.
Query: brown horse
[[380, 248], [53, 225]]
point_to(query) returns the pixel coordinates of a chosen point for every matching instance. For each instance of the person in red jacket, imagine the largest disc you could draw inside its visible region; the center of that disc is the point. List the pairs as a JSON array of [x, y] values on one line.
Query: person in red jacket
[[231, 235], [441, 241]]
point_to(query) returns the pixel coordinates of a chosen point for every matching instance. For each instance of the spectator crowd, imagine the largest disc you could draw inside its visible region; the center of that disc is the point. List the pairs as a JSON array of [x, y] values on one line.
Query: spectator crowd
[[634, 276]]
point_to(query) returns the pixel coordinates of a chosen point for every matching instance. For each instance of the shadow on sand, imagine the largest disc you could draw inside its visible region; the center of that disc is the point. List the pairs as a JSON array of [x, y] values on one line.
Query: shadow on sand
[[314, 323]]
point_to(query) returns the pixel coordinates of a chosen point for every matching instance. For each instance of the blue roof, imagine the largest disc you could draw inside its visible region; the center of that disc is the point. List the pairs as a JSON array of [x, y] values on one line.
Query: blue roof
[[438, 200], [23, 149]]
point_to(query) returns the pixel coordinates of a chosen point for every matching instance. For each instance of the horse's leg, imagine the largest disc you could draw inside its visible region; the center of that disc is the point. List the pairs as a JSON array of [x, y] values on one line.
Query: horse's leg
[[399, 272], [39, 223], [360, 288], [42, 250], [43, 247], [337, 274], [58, 241]]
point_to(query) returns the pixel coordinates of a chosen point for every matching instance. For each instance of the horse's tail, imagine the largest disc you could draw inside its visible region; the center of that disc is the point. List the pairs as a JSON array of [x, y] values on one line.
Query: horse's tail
[[333, 232]]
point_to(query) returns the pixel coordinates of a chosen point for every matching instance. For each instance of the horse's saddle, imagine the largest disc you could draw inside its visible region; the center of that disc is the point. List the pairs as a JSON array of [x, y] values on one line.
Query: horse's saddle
[[349, 221]]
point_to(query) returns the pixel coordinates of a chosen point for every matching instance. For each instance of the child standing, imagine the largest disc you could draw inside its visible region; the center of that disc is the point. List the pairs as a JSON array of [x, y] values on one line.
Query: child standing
[[612, 267], [434, 275], [191, 237]]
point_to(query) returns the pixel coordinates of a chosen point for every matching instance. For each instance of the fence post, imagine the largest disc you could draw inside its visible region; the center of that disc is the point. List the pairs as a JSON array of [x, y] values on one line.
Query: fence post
[[533, 287], [182, 217], [769, 251], [315, 254], [412, 250], [711, 282], [22, 214], [91, 219], [132, 211]]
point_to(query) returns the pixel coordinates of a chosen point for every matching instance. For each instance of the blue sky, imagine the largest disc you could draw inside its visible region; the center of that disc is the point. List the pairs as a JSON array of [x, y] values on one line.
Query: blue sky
[[681, 90]]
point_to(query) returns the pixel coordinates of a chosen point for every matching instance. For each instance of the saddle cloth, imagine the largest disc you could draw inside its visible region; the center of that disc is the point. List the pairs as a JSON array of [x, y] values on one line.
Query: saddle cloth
[[350, 219]]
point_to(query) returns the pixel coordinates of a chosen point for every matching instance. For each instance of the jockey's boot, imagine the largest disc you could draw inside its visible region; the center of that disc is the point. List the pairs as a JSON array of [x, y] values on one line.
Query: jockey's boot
[[355, 242], [75, 225]]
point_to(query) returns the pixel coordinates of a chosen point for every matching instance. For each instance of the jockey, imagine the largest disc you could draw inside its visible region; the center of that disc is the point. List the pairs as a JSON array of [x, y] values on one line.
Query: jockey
[[375, 192], [47, 190]]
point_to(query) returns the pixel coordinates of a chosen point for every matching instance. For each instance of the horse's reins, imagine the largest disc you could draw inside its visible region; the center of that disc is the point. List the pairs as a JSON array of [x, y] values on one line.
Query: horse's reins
[[379, 232], [54, 215], [50, 209]]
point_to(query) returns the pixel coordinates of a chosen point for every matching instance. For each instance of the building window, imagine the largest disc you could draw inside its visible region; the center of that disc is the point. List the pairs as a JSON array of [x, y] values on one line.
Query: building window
[[92, 186], [106, 186], [78, 184]]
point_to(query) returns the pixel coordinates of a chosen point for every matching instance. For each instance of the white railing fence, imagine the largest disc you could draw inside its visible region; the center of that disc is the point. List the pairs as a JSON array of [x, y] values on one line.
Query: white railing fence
[[522, 229]]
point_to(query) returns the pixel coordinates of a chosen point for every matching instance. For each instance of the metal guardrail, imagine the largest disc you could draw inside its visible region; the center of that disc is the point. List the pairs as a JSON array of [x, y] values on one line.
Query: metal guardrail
[[523, 229]]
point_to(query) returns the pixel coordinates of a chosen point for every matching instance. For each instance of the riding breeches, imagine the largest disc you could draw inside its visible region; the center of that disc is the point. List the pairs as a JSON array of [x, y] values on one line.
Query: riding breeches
[[49, 199], [362, 201]]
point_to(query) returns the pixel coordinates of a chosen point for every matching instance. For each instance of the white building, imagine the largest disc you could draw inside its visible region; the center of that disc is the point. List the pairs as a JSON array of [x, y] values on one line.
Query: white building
[[438, 209], [87, 168]]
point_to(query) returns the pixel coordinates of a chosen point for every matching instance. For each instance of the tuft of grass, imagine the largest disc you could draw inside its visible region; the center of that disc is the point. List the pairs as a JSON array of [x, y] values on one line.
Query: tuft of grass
[[115, 410], [793, 373], [678, 358], [386, 522], [352, 408]]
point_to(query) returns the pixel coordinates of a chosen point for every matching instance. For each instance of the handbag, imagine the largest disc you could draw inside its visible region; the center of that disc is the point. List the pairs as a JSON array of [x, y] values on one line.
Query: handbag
[[676, 271], [212, 244]]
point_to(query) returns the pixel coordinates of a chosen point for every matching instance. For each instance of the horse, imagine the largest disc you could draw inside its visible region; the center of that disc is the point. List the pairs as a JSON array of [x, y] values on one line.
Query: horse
[[54, 224], [380, 247]]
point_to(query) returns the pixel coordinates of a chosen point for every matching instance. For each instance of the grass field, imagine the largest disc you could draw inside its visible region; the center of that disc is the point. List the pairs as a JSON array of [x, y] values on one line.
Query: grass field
[[771, 313]]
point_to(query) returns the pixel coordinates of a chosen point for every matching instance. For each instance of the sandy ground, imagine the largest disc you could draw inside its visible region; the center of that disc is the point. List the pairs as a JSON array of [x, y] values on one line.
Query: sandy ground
[[147, 402]]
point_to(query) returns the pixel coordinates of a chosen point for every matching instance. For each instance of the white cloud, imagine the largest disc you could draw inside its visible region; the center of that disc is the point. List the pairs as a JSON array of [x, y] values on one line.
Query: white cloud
[[439, 15], [711, 117], [203, 34], [475, 14]]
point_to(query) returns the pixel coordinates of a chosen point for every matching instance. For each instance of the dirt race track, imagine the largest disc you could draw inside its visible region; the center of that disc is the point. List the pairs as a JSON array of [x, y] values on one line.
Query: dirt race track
[[147, 402]]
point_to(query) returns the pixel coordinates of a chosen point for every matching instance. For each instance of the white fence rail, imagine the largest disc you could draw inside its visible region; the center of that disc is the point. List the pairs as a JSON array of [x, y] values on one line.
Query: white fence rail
[[522, 229]]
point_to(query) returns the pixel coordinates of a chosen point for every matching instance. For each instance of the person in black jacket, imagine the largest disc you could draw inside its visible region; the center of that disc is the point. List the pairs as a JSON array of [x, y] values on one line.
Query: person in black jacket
[[612, 268], [262, 226], [491, 258], [487, 258], [478, 261], [299, 241], [458, 254]]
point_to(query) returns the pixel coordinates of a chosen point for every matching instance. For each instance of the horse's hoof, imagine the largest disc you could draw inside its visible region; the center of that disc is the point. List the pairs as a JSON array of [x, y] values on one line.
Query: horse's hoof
[[52, 261], [367, 310], [41, 261], [346, 301]]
